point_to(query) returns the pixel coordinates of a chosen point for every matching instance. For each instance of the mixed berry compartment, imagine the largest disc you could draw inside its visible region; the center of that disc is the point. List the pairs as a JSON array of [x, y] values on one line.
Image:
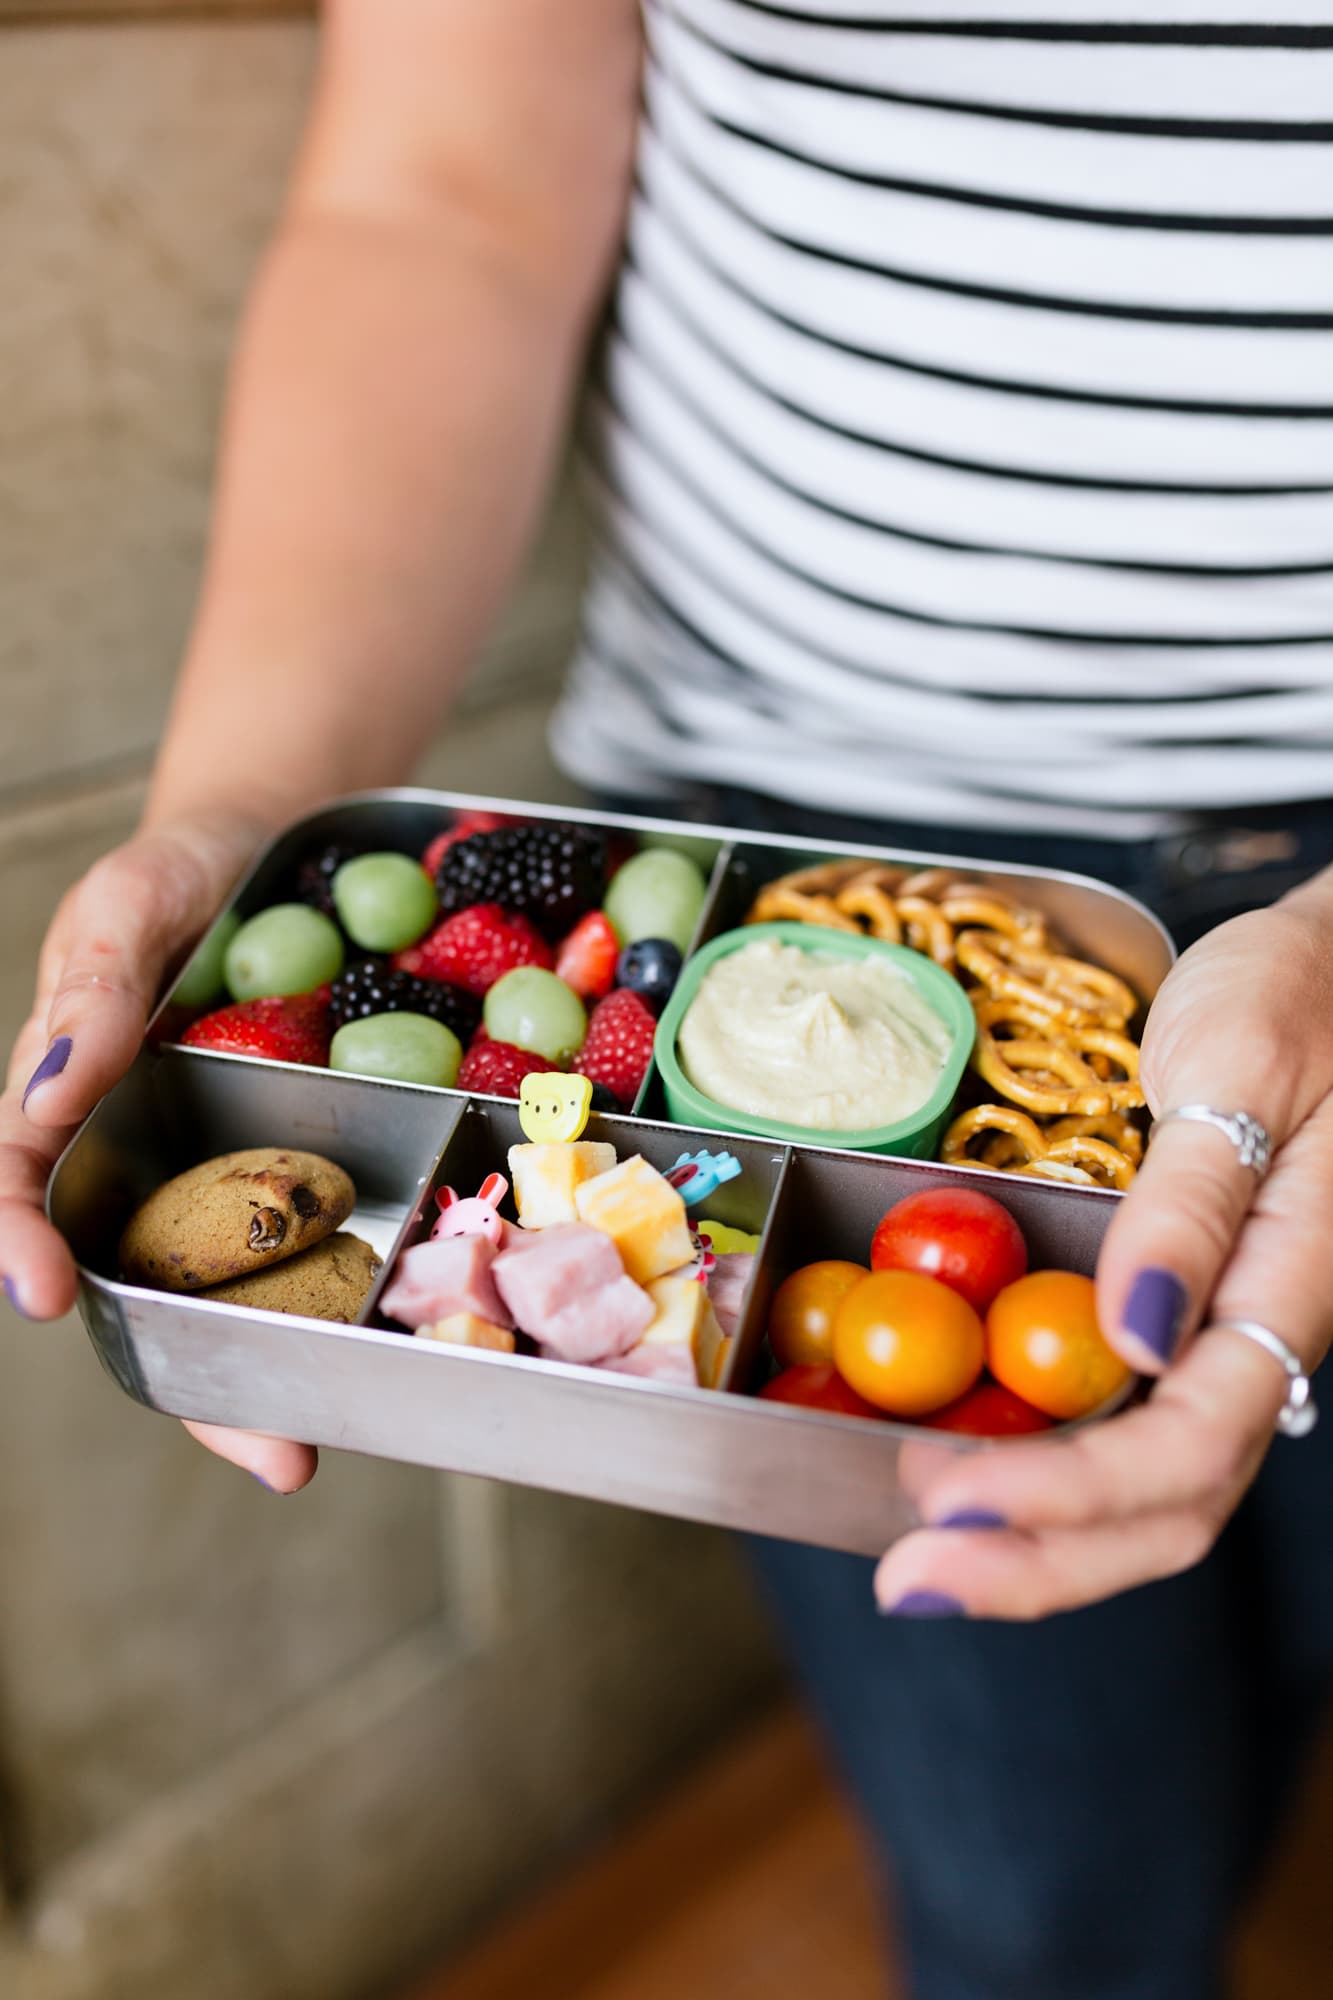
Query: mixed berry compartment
[[572, 969], [449, 948]]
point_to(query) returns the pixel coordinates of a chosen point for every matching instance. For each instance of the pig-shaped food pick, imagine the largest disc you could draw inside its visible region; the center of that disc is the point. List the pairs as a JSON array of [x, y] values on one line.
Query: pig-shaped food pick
[[553, 1107], [479, 1215]]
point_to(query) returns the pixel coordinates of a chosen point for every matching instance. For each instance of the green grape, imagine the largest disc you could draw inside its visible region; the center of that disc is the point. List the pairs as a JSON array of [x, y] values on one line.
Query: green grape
[[657, 894], [534, 1010], [386, 901], [201, 977], [700, 848], [409, 1048], [288, 948]]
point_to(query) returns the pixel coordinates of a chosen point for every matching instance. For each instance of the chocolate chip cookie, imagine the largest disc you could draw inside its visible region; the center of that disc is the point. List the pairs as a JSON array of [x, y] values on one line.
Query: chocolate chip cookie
[[234, 1215], [332, 1281]]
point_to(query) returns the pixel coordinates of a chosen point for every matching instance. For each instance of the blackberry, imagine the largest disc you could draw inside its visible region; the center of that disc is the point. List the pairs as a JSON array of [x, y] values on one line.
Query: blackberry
[[552, 874], [372, 987], [605, 1100], [314, 877]]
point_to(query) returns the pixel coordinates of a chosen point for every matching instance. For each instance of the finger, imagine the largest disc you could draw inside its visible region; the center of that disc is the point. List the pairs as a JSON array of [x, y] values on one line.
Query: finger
[[131, 912], [1198, 1440], [936, 1573], [35, 1261], [1173, 1234], [278, 1463], [1170, 1240]]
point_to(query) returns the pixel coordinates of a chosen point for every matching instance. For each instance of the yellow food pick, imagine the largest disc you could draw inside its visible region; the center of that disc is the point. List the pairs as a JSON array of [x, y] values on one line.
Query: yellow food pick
[[552, 1107], [724, 1238]]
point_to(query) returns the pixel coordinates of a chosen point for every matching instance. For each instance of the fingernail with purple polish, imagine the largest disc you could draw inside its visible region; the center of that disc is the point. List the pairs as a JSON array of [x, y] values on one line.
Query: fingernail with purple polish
[[1155, 1311], [262, 1482], [51, 1064], [11, 1293], [924, 1604], [973, 1517]]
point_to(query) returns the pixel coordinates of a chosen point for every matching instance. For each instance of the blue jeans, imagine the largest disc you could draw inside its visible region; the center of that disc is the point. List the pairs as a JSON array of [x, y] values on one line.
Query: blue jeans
[[1072, 1810]]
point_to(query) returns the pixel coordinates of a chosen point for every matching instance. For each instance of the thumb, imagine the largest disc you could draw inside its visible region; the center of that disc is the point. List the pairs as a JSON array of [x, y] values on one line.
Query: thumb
[[130, 915]]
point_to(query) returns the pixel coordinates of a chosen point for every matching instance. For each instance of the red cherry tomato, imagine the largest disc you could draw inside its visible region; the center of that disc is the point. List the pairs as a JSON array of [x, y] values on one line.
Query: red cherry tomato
[[989, 1411], [963, 1238], [818, 1387]]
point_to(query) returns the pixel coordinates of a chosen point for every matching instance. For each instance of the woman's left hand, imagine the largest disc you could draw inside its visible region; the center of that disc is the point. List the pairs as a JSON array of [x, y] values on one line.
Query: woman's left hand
[[1243, 1023]]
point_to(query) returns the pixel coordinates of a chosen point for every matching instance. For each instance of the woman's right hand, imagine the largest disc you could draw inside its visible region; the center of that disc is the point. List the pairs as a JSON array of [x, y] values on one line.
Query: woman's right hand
[[113, 939]]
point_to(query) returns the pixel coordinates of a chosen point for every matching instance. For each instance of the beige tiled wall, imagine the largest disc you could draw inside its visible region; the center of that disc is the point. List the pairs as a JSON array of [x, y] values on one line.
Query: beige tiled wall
[[249, 1747]]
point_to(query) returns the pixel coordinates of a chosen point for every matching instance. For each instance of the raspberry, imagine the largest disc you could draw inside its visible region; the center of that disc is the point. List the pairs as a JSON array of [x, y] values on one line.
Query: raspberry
[[619, 1044], [372, 987], [553, 873], [474, 948], [292, 1029], [497, 1069]]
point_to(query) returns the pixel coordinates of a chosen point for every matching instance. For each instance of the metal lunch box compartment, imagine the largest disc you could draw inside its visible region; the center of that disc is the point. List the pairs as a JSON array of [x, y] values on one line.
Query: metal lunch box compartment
[[718, 1456]]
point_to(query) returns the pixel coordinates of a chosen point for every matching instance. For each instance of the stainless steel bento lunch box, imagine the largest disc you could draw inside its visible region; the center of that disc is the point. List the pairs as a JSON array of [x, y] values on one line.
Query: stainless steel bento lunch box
[[708, 1455]]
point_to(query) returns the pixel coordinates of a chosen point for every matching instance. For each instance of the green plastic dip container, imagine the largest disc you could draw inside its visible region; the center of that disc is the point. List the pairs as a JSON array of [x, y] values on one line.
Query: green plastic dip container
[[916, 1137]]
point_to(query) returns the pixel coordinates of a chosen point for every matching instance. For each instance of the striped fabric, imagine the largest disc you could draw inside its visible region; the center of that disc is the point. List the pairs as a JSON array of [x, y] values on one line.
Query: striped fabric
[[964, 442]]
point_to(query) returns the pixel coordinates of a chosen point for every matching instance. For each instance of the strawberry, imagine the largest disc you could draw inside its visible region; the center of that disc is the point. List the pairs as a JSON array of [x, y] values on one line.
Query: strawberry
[[295, 1028], [497, 1068], [587, 958], [619, 1044], [474, 947], [465, 824]]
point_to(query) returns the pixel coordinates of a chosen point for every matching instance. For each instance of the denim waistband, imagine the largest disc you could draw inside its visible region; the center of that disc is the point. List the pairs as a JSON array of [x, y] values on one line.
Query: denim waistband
[[1222, 864]]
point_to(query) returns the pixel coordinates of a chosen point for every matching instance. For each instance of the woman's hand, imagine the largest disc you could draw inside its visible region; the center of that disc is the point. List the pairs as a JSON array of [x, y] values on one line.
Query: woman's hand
[[1243, 1023], [112, 941]]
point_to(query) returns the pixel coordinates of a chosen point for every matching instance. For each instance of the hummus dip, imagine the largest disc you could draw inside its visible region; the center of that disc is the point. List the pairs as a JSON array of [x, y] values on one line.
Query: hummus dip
[[835, 1043]]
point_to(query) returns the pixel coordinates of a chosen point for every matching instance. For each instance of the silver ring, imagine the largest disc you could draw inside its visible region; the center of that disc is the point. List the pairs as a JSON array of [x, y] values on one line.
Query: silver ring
[[1254, 1148], [1299, 1414]]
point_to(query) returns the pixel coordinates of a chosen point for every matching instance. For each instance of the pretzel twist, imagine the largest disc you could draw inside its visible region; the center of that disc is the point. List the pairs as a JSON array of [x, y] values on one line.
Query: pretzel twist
[[1044, 1077], [1068, 991], [1113, 1126], [1106, 1164], [1021, 1135], [876, 905], [928, 929], [1047, 1169], [972, 908]]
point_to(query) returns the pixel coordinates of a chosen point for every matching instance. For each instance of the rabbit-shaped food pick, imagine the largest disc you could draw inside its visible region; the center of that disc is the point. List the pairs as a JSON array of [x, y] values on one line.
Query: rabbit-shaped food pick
[[479, 1215]]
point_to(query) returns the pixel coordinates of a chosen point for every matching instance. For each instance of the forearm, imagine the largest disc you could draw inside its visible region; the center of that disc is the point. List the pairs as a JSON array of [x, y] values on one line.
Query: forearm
[[399, 396]]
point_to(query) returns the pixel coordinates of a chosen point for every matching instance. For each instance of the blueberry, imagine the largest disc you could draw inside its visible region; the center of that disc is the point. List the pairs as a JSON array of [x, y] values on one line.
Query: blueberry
[[650, 968]]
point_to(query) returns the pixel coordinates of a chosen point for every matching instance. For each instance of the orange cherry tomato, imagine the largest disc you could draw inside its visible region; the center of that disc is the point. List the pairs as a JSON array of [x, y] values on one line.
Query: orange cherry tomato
[[906, 1343], [1044, 1343], [800, 1324], [988, 1411], [818, 1387]]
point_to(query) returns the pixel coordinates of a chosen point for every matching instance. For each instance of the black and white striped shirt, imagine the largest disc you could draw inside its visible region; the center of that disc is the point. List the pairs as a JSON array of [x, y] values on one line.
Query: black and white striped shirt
[[965, 437]]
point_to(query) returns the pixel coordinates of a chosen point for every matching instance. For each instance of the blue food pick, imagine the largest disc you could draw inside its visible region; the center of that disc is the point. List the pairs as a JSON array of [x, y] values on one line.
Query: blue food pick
[[697, 1175]]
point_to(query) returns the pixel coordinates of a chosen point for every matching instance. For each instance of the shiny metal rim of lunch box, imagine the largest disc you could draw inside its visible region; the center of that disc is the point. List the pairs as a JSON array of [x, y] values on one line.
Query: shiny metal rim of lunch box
[[717, 1456]]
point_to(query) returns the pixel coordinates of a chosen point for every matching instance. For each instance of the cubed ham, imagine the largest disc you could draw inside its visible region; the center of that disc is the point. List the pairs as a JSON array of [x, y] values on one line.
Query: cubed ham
[[450, 1274], [598, 1325], [727, 1282], [656, 1364], [552, 1269]]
